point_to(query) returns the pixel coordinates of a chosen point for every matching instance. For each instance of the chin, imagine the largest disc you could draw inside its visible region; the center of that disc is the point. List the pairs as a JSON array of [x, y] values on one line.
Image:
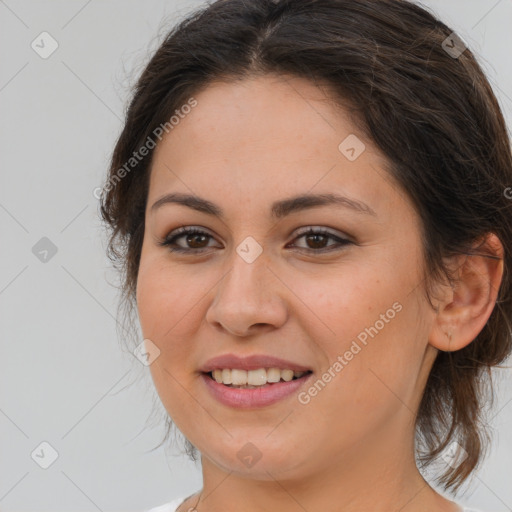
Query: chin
[[259, 458]]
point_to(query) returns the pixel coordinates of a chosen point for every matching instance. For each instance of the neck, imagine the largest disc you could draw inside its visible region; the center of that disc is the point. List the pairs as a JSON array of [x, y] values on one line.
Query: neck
[[378, 476]]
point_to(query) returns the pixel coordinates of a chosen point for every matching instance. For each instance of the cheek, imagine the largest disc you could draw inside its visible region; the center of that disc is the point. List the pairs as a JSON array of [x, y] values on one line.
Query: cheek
[[162, 306], [170, 312], [372, 333], [161, 297], [377, 361], [149, 304], [345, 307]]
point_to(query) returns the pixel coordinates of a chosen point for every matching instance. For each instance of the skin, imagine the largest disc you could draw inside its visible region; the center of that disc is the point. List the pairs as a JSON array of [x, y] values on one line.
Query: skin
[[245, 145]]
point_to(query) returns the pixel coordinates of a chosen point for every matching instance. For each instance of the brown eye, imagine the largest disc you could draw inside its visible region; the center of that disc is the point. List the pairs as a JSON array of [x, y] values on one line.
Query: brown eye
[[195, 240], [317, 240]]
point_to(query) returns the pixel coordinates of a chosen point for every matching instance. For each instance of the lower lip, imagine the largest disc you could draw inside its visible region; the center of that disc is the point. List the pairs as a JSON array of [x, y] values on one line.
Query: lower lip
[[253, 397]]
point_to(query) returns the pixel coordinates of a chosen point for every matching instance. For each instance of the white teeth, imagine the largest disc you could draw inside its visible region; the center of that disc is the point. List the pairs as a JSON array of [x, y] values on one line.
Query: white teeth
[[238, 377], [226, 377], [273, 375], [287, 375], [253, 378], [257, 377]]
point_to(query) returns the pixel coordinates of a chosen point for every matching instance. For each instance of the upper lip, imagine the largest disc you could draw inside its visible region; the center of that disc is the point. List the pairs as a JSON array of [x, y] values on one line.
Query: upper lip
[[252, 362]]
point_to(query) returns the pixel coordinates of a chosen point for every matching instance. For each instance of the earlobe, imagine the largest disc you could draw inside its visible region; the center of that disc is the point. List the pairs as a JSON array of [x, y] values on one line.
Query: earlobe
[[467, 305]]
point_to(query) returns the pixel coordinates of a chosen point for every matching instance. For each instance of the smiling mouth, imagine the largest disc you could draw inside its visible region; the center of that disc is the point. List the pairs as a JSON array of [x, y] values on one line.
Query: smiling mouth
[[252, 379]]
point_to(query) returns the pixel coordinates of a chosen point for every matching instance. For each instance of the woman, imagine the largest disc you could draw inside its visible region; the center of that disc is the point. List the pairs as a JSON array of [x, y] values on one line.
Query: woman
[[308, 204]]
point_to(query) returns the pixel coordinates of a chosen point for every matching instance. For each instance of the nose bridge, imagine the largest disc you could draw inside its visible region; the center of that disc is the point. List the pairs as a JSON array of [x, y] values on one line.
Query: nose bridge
[[248, 293], [248, 269]]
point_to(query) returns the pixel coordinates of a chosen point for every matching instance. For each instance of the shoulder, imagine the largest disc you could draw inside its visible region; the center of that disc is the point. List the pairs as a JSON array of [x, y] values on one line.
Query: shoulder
[[168, 507]]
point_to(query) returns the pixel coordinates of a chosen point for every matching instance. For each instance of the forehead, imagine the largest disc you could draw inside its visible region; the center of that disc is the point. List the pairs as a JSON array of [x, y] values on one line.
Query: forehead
[[260, 114], [265, 137]]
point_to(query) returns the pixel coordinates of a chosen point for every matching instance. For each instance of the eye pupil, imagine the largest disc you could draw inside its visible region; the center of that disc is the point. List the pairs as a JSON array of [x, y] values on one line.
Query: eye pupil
[[315, 240], [195, 236]]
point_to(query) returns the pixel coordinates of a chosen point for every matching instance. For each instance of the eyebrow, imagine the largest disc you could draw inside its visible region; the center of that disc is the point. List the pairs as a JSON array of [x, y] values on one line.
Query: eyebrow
[[279, 209]]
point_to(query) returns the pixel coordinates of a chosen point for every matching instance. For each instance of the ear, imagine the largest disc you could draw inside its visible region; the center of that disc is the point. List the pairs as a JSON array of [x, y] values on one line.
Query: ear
[[465, 307]]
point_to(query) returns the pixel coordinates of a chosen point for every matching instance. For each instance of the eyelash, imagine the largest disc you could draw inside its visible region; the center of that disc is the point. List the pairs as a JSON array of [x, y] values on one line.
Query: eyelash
[[169, 241]]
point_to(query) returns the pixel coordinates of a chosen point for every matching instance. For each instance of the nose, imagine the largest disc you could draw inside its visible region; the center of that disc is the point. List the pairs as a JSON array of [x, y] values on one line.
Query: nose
[[249, 298]]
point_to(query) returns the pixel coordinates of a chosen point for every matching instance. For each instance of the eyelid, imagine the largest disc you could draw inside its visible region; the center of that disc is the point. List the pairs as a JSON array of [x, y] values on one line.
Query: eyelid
[[182, 231], [323, 229], [341, 240]]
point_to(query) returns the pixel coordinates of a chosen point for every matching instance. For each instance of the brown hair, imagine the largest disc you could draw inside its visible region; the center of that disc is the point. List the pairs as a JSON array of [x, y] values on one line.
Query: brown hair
[[433, 114]]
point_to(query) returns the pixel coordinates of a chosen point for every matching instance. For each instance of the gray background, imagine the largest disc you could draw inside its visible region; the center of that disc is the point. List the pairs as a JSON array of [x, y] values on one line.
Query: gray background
[[64, 378]]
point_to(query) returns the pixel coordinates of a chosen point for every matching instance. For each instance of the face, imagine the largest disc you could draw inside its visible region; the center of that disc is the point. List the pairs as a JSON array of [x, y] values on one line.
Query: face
[[344, 302]]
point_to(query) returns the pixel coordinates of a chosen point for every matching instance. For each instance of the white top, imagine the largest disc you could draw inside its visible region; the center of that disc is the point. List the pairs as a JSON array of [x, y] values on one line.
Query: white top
[[173, 505], [169, 507]]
